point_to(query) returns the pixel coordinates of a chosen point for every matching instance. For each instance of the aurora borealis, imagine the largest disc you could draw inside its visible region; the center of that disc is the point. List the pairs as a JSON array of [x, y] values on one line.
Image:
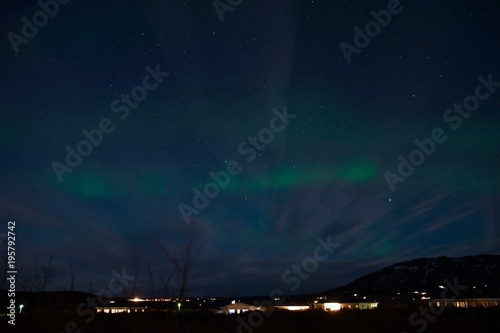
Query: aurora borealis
[[323, 174]]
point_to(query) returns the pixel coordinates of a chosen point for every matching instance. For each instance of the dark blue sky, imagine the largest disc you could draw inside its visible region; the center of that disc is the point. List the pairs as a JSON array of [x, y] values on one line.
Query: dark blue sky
[[323, 173]]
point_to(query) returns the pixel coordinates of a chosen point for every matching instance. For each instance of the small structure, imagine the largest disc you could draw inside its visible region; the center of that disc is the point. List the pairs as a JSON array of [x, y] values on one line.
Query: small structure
[[122, 306], [465, 302], [336, 306], [293, 307], [332, 306], [120, 309], [237, 308]]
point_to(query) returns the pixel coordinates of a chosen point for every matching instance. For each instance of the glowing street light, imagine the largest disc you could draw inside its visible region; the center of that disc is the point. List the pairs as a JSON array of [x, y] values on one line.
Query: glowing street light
[[179, 306], [21, 308]]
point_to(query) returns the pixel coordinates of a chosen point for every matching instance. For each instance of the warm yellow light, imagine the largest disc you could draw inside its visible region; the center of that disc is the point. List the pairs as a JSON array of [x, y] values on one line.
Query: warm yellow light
[[332, 306]]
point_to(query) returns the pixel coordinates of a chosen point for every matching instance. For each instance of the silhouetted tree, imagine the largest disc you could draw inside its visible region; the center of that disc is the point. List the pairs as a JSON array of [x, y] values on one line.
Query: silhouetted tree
[[135, 266], [131, 292], [23, 281], [151, 281], [183, 261], [165, 285], [71, 275], [90, 289], [43, 275], [3, 283]]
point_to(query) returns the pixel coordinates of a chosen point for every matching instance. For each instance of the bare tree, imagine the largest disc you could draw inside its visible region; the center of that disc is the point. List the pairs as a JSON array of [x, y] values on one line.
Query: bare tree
[[136, 271], [3, 283], [151, 282], [183, 261], [164, 290], [90, 289], [131, 293], [71, 275], [165, 285], [24, 282], [44, 275]]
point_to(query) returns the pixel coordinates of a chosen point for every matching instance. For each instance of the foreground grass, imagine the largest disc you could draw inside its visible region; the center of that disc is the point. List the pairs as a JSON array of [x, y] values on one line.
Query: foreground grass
[[382, 320]]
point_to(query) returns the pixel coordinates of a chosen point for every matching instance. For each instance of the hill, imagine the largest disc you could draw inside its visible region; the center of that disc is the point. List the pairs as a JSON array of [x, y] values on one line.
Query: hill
[[480, 274]]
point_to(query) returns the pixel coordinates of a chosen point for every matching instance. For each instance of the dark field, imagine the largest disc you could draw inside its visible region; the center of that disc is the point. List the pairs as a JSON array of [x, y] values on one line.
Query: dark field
[[381, 320]]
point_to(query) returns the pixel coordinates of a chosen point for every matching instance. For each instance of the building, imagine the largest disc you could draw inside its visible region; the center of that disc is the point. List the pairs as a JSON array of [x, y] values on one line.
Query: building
[[465, 302], [237, 308], [122, 306], [120, 309], [293, 307], [335, 306]]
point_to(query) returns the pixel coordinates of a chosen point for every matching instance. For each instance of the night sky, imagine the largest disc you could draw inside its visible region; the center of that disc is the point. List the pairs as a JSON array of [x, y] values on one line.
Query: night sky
[[222, 81]]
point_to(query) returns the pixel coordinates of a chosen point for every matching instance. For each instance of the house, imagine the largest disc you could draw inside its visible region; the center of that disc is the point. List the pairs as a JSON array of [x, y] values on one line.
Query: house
[[465, 302], [293, 307], [122, 306], [237, 308], [334, 306], [120, 309]]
